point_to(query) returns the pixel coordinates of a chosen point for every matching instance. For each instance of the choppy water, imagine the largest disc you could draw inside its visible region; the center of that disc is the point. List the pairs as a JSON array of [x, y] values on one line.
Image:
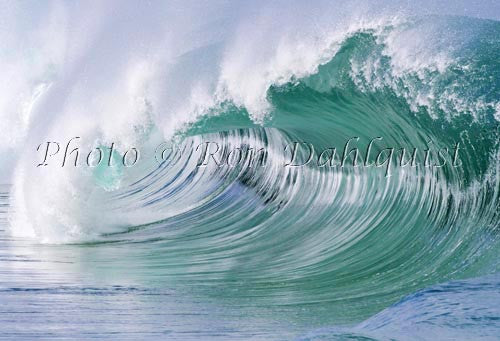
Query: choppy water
[[178, 251]]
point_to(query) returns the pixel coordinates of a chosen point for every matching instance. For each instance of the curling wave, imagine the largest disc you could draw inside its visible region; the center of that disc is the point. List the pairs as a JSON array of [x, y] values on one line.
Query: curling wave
[[319, 236]]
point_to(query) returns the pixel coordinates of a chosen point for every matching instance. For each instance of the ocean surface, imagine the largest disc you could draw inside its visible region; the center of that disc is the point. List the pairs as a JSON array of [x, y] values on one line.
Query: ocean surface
[[351, 241], [123, 292]]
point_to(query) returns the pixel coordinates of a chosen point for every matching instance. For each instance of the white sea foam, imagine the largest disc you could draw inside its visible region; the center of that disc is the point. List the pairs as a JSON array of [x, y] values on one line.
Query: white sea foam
[[113, 72]]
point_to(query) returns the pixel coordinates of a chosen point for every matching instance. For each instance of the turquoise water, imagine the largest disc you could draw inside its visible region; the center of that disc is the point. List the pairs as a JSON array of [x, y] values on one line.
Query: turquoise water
[[173, 250], [116, 291]]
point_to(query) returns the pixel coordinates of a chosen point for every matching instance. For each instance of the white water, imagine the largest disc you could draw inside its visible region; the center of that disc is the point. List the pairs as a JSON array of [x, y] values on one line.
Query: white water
[[110, 71]]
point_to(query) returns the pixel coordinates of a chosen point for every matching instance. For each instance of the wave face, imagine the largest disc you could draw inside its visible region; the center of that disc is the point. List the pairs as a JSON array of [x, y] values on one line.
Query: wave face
[[346, 242], [450, 310]]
